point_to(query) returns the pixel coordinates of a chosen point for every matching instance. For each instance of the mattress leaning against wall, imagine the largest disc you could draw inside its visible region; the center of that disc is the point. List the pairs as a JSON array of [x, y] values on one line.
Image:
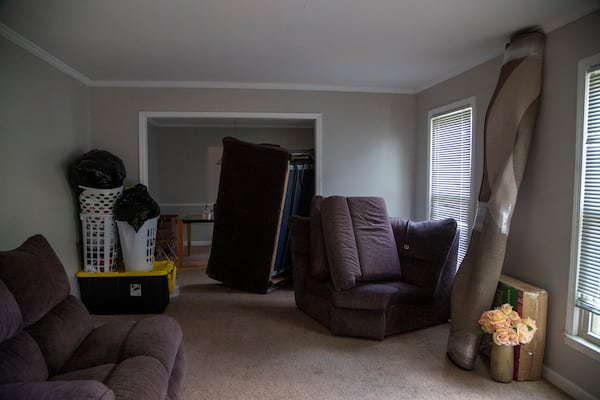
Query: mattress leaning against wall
[[249, 212]]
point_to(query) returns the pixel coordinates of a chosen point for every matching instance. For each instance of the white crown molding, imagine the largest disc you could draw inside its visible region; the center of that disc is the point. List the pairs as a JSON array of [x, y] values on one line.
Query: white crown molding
[[34, 49], [248, 85], [21, 41], [37, 51]]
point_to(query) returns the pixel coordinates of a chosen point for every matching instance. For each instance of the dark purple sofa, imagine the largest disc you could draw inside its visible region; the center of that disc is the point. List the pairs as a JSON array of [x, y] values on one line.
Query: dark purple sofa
[[50, 349], [361, 273]]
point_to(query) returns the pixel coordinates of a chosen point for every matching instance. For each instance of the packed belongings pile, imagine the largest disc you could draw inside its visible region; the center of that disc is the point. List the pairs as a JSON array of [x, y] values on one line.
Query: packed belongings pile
[[97, 178]]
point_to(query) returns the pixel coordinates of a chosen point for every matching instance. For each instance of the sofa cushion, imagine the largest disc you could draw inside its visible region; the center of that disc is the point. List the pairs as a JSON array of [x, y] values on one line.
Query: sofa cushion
[[11, 321], [340, 243], [175, 390], [102, 346], [21, 360], [158, 337], [35, 276], [80, 390], [375, 242], [139, 377], [60, 332], [98, 373], [318, 258]]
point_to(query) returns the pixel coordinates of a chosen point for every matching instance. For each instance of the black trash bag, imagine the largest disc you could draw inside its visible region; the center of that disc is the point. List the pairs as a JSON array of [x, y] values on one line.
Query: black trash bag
[[98, 169], [135, 206]]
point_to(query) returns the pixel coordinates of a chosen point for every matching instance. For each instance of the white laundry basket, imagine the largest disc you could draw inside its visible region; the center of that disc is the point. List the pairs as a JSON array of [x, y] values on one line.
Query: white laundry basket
[[100, 242], [98, 201], [98, 228], [138, 247]]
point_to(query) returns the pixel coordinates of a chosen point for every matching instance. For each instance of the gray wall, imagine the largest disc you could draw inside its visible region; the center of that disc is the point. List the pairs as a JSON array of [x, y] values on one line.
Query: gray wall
[[368, 139], [373, 144], [43, 126], [183, 164], [539, 244]]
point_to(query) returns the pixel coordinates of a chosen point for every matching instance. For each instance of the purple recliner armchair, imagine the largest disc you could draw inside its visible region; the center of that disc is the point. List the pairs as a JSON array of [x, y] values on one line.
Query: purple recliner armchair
[[361, 273], [50, 349]]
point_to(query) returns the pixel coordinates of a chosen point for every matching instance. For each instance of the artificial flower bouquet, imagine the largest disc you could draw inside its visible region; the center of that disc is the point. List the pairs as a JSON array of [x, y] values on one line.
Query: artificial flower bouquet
[[507, 327]]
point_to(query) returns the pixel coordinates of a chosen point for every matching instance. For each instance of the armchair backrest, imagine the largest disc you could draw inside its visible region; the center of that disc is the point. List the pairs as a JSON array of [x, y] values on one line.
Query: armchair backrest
[[428, 253], [53, 321], [353, 240], [358, 240], [21, 359]]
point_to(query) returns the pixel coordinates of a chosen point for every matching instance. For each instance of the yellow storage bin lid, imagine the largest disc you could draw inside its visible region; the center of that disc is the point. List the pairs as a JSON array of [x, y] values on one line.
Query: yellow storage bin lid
[[161, 268]]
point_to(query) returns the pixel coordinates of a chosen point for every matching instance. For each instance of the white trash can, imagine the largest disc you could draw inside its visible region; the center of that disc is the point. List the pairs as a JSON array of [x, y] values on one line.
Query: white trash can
[[138, 247]]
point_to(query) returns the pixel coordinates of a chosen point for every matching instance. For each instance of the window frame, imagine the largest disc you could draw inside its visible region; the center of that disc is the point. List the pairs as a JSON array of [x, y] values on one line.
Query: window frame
[[437, 112], [578, 321]]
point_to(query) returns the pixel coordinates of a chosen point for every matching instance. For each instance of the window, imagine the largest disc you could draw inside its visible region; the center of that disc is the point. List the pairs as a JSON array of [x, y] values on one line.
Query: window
[[584, 310], [450, 134]]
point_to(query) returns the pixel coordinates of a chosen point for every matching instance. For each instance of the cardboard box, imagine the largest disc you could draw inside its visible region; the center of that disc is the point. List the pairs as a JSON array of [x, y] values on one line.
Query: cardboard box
[[123, 292], [528, 301]]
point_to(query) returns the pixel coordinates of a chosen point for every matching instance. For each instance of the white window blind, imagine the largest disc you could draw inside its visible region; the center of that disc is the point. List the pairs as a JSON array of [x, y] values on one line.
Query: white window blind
[[588, 273], [450, 179]]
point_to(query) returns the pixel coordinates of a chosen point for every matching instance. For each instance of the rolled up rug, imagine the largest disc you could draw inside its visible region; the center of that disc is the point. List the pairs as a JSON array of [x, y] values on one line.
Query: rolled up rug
[[509, 125]]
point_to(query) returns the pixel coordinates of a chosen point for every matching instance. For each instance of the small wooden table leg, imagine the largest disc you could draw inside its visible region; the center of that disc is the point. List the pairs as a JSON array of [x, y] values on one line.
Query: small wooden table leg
[[180, 242], [189, 237]]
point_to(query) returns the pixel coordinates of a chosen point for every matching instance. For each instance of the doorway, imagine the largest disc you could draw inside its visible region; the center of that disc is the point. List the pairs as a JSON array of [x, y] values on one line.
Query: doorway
[[168, 141]]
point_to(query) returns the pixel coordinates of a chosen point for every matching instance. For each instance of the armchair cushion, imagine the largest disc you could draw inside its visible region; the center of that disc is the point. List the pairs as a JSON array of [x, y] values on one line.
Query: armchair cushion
[[21, 360], [60, 332], [379, 296], [35, 293], [11, 321], [340, 243], [57, 353], [81, 390], [375, 242], [359, 241]]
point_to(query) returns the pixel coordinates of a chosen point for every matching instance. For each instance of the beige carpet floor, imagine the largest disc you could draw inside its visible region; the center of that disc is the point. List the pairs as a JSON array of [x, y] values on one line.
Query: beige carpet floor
[[241, 345]]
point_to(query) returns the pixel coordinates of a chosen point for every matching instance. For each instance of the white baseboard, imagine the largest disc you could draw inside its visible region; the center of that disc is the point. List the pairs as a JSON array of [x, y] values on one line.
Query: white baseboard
[[566, 385]]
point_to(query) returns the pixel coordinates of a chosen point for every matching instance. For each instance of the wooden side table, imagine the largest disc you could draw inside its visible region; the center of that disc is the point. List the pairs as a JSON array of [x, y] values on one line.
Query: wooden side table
[[188, 220]]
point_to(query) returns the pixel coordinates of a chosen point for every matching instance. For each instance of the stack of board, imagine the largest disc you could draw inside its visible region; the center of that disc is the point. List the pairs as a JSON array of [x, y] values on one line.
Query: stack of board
[[528, 301]]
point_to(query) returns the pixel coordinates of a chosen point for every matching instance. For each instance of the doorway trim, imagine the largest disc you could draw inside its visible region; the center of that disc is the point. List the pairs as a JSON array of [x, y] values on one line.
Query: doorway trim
[[143, 134]]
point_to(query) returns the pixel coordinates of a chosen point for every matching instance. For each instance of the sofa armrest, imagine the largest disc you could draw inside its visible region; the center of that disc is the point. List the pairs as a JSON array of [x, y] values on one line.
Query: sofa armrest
[[56, 390], [300, 240]]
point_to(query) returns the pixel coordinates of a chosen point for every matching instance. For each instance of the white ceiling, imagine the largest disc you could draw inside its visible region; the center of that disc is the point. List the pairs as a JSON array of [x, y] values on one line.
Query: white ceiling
[[379, 45]]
